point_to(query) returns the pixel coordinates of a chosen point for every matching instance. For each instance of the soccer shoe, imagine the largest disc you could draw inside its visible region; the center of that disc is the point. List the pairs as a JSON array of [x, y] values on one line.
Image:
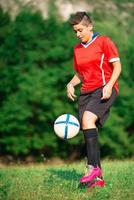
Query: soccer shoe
[[99, 183], [96, 171]]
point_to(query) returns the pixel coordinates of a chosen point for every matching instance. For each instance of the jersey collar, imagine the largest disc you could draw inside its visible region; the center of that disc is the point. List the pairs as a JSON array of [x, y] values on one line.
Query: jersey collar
[[95, 35]]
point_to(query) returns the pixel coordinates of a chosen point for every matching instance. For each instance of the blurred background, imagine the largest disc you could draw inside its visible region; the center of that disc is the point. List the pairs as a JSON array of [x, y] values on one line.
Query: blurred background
[[36, 63]]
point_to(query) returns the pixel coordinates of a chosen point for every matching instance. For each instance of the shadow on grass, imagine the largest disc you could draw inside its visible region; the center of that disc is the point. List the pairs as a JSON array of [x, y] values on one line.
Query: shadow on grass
[[66, 175]]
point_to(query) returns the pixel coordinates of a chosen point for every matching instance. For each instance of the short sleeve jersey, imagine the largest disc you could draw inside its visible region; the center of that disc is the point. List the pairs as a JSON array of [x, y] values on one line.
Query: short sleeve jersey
[[93, 62]]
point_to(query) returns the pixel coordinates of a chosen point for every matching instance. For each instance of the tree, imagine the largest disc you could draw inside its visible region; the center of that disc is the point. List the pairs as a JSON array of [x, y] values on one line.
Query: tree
[[36, 64]]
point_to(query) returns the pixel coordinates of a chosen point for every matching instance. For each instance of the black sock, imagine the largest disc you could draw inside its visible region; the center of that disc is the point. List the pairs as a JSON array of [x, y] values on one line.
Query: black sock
[[92, 147], [99, 163]]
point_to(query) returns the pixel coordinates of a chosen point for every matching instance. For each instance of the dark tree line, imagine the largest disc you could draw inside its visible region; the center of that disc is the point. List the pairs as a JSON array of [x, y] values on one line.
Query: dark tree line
[[35, 66]]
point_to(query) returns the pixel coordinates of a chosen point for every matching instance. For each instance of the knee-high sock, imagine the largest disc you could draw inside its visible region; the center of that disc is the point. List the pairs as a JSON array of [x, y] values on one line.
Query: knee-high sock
[[92, 146]]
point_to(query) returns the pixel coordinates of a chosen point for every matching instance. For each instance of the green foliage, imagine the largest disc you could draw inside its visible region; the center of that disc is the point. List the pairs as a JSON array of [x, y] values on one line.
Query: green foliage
[[36, 64], [4, 25], [32, 93]]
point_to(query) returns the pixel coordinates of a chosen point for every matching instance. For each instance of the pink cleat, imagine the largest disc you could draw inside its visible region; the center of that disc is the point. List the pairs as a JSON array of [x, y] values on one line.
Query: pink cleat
[[96, 171], [99, 182]]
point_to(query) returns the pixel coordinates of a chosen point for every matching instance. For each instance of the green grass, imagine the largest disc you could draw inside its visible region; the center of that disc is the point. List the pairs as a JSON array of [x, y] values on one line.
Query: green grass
[[62, 182]]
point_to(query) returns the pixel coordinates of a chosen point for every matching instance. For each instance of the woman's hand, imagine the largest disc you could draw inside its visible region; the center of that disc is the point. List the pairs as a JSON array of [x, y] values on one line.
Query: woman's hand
[[106, 92], [70, 91]]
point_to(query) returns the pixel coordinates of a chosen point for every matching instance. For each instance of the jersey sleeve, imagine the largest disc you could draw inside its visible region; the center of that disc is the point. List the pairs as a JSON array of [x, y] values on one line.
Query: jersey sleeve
[[110, 50]]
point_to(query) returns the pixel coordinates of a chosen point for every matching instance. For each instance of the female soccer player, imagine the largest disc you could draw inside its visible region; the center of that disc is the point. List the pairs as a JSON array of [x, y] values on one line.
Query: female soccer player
[[97, 66]]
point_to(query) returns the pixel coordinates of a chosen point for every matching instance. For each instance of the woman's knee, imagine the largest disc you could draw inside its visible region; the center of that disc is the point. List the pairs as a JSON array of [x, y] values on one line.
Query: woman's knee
[[89, 120]]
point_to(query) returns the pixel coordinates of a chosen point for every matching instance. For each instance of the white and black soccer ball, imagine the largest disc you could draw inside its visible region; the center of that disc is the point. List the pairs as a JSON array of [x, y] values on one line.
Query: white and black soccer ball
[[66, 126]]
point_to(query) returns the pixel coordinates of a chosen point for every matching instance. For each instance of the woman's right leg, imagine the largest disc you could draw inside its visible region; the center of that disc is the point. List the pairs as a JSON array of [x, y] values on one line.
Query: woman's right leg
[[91, 137], [91, 140]]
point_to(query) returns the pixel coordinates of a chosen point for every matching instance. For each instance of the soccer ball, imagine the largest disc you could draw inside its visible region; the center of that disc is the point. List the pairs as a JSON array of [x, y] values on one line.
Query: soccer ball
[[66, 126]]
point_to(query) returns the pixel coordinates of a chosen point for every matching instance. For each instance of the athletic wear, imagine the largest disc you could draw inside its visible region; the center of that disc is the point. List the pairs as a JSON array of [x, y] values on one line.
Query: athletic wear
[[98, 182], [91, 101], [91, 142], [93, 62], [96, 171]]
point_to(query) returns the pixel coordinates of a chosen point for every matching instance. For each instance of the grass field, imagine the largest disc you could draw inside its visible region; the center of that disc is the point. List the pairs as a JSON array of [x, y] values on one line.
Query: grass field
[[62, 182]]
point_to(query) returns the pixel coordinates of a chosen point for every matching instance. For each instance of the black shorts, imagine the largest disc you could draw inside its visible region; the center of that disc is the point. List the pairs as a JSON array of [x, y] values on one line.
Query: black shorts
[[92, 102]]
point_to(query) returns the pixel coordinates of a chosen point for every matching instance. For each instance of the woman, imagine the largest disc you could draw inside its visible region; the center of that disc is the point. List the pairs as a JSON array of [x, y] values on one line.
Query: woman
[[97, 66]]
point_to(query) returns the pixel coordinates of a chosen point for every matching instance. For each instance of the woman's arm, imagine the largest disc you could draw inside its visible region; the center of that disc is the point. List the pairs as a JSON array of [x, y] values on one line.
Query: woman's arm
[[107, 90], [70, 86]]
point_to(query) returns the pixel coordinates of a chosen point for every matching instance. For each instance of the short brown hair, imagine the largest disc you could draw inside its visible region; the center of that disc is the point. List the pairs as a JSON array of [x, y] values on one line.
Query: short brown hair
[[80, 17]]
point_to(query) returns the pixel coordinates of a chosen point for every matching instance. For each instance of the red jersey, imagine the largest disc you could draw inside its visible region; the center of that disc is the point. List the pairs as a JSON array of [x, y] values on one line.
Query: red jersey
[[93, 62]]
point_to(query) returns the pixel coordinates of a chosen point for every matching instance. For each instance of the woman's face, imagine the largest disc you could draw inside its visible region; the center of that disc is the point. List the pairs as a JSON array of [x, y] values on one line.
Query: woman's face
[[84, 33]]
